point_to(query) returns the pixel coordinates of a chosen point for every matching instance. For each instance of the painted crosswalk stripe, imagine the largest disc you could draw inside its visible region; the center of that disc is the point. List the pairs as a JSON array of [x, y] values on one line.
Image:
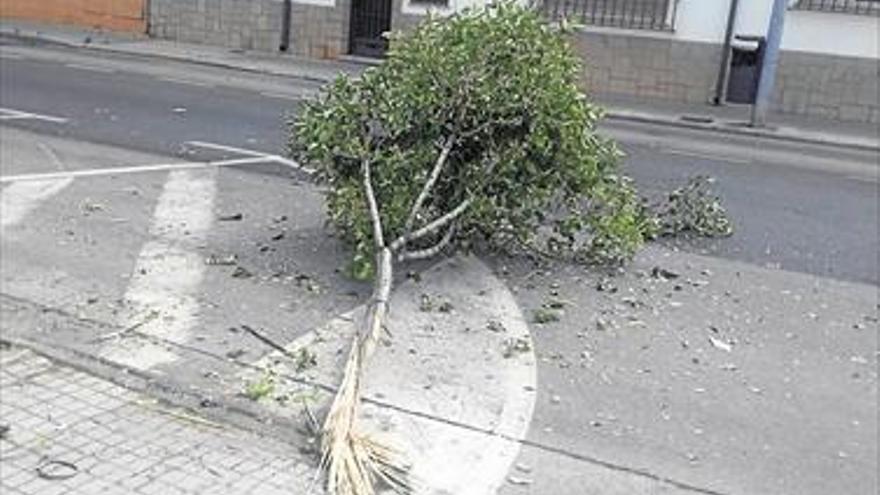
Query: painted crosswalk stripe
[[161, 297], [18, 199], [134, 169]]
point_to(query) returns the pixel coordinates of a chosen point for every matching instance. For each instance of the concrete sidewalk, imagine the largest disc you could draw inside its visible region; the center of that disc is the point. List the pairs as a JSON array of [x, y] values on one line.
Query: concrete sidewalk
[[716, 119], [66, 432]]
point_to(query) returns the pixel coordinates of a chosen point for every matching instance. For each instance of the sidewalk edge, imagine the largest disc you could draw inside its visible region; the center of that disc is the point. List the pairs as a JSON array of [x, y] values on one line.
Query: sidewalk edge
[[120, 50], [837, 141]]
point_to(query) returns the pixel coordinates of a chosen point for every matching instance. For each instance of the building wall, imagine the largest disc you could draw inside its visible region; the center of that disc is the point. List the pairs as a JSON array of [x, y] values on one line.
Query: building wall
[[114, 15], [840, 88], [814, 32], [655, 66], [829, 63], [319, 28], [244, 24], [828, 67], [647, 65]]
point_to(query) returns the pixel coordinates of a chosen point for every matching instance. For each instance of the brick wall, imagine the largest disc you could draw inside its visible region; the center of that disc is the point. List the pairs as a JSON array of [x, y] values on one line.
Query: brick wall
[[114, 15], [655, 66], [646, 65], [320, 32], [315, 31], [244, 24], [840, 88]]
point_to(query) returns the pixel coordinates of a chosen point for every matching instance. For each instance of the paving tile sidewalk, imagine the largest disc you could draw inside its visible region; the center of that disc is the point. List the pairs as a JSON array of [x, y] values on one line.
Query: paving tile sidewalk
[[72, 433]]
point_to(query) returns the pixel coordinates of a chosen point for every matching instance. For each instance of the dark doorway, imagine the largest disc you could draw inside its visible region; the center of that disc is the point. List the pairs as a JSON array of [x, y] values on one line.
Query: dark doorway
[[370, 19]]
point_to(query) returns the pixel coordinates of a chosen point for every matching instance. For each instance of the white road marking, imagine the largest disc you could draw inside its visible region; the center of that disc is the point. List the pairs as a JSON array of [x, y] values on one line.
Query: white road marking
[[162, 293], [860, 178], [92, 68], [243, 151], [188, 82], [229, 149], [460, 409], [17, 200], [10, 56], [283, 96], [10, 114], [136, 169]]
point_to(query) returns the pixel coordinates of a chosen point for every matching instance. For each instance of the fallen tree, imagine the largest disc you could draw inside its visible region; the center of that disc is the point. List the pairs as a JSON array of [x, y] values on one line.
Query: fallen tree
[[472, 134]]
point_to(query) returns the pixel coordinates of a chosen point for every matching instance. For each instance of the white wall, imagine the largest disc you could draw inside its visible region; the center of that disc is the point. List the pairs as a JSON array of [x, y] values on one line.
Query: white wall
[[817, 32], [837, 34]]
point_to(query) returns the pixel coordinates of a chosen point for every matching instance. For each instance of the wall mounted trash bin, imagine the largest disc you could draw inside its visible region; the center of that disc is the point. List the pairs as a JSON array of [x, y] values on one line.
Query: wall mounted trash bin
[[745, 69]]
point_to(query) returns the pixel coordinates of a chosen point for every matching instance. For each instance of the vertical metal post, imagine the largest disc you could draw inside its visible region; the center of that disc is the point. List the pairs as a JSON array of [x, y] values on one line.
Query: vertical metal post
[[769, 63], [721, 83], [285, 26]]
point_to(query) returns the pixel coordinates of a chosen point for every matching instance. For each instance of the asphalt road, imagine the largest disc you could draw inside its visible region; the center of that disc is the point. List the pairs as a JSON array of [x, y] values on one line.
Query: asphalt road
[[799, 208]]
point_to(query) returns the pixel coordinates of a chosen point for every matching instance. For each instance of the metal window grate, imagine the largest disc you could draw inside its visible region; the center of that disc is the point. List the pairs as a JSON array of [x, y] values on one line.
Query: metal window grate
[[629, 14], [862, 7]]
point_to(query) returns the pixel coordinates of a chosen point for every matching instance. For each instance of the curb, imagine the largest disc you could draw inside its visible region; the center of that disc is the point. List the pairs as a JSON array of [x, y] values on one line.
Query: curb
[[55, 41], [621, 115], [731, 128]]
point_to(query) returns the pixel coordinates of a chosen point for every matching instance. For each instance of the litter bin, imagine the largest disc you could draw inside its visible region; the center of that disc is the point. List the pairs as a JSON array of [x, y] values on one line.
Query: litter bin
[[745, 69]]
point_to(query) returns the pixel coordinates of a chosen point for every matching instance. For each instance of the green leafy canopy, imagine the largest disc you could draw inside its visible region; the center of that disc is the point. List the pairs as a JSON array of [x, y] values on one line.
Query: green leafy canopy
[[498, 87]]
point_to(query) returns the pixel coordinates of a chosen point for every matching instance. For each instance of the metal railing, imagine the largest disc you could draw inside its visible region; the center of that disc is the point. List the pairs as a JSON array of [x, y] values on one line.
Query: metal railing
[[629, 14], [863, 7]]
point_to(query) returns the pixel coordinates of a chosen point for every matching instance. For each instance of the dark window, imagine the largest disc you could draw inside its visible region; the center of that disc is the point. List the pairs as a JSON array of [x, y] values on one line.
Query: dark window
[[430, 3], [630, 14], [866, 7]]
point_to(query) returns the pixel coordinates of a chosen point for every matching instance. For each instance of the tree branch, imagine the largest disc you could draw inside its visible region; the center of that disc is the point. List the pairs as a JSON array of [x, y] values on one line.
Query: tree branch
[[436, 224], [426, 189], [375, 219], [431, 251]]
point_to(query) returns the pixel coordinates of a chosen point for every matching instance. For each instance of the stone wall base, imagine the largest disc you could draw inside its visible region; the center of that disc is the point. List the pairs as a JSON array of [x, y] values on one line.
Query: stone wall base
[[315, 31], [655, 67]]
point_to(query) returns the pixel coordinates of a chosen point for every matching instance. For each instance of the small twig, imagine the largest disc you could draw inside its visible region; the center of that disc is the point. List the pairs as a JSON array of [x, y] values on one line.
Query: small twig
[[429, 184], [269, 342], [119, 333], [311, 421], [431, 251]]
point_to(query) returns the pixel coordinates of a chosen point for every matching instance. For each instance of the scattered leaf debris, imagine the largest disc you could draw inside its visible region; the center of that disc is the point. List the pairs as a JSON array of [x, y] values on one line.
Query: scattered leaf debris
[[233, 217], [514, 346], [216, 260]]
